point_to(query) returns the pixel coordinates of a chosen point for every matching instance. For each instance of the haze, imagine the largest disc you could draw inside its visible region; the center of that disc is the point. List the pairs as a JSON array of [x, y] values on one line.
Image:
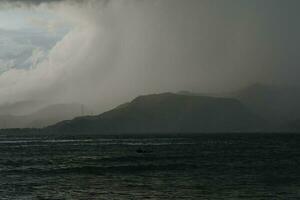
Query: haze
[[103, 53]]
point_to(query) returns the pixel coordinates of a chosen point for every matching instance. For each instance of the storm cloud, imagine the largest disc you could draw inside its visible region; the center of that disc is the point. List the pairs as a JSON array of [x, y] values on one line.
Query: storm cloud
[[117, 50], [36, 2]]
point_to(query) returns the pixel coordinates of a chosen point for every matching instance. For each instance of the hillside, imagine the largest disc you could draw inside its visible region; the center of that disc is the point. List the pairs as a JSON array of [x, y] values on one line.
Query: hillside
[[43, 117], [168, 112], [277, 104]]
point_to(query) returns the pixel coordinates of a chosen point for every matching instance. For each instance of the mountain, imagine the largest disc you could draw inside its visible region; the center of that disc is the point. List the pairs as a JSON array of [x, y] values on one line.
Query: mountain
[[292, 126], [277, 104], [168, 112], [53, 114], [189, 93], [44, 117], [19, 108]]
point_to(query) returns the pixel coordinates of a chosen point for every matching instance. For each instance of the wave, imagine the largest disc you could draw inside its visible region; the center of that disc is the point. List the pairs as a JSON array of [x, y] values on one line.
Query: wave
[[45, 162], [102, 170], [93, 142]]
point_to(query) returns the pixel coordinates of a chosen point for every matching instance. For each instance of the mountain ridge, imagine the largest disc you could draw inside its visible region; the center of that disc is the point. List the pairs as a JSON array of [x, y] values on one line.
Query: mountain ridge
[[168, 112], [41, 118]]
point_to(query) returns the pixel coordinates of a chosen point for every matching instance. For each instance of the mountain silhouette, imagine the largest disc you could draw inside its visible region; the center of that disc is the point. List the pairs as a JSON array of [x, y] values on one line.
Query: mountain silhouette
[[43, 117], [277, 104], [168, 112]]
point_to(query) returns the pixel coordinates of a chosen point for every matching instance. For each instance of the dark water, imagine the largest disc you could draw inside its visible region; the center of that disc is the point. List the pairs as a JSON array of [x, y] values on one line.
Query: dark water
[[215, 166]]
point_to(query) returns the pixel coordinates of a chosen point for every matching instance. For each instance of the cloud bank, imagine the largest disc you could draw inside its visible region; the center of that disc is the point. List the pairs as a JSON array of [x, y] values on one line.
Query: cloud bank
[[120, 49]]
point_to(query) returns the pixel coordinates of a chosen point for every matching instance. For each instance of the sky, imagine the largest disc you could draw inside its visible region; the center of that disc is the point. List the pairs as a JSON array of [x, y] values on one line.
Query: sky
[[103, 53], [26, 37]]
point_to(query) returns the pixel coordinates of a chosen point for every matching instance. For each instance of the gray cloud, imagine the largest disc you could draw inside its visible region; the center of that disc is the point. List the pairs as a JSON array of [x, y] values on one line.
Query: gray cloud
[[127, 48], [38, 2], [35, 1]]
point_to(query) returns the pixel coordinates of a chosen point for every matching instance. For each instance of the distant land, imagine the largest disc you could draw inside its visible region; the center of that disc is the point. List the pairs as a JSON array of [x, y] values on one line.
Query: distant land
[[169, 113], [257, 108], [277, 104], [40, 118]]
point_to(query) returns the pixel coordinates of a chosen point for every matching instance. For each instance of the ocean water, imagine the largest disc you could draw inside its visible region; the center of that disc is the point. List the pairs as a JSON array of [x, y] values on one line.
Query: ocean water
[[216, 166]]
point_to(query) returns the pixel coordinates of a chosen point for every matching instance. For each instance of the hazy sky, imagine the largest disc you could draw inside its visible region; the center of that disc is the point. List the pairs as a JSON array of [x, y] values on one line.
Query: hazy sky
[[26, 36], [102, 53]]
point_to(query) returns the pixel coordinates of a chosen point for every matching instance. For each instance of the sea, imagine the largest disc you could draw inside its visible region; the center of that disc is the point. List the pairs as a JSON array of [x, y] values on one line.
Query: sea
[[199, 166]]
